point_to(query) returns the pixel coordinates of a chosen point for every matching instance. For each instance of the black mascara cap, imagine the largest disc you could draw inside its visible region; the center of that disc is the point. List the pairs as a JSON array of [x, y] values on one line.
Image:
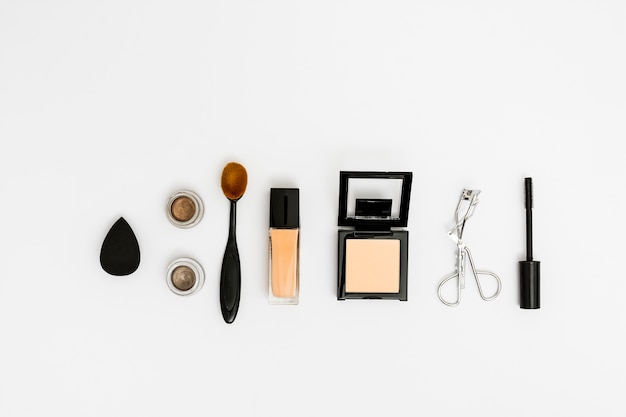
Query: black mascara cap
[[529, 284]]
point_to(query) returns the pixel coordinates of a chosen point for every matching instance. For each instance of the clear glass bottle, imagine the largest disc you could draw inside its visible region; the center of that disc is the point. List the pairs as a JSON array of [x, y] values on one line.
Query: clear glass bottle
[[284, 246]]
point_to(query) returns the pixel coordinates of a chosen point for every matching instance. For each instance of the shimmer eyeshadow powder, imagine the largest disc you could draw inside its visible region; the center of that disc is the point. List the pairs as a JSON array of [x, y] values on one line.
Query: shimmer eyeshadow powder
[[184, 209], [185, 276]]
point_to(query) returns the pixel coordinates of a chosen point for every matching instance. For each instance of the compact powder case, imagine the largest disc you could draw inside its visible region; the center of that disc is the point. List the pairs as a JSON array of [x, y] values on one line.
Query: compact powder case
[[184, 209], [372, 250], [185, 276]]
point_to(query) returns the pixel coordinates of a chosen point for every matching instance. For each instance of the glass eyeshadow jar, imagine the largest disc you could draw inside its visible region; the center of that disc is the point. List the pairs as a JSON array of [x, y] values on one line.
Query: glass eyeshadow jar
[[185, 276], [372, 246], [184, 209]]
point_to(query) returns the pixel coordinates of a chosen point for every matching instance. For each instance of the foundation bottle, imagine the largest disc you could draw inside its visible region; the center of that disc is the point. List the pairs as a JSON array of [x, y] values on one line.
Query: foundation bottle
[[284, 246]]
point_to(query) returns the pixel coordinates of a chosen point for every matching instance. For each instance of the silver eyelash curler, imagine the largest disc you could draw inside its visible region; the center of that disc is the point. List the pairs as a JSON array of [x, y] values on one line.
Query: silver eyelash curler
[[469, 197]]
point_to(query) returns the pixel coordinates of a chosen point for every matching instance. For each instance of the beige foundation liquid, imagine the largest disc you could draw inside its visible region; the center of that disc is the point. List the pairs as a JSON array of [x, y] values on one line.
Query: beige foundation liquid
[[284, 263]]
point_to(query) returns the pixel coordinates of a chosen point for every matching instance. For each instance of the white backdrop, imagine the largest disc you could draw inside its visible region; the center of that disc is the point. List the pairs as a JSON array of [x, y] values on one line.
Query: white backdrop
[[108, 107]]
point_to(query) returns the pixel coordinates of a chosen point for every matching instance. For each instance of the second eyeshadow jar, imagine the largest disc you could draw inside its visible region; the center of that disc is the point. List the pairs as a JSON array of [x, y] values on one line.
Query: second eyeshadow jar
[[372, 250], [185, 276]]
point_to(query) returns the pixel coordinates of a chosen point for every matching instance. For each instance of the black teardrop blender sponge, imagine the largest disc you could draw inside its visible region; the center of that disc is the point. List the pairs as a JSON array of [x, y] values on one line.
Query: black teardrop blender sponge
[[120, 250]]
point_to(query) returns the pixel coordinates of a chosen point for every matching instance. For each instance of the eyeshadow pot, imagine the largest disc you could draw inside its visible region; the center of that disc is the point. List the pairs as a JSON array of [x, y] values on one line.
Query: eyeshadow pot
[[185, 276], [184, 209]]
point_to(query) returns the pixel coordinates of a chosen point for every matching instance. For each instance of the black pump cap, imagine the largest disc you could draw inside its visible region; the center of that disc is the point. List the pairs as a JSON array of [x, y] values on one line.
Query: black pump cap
[[529, 284], [285, 208]]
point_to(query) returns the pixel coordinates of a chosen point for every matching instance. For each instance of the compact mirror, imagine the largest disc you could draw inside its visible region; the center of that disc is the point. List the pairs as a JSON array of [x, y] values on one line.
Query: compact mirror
[[388, 192], [373, 199]]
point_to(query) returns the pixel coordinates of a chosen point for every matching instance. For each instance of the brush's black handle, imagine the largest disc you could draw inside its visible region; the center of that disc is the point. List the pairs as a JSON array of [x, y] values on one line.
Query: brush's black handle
[[230, 280]]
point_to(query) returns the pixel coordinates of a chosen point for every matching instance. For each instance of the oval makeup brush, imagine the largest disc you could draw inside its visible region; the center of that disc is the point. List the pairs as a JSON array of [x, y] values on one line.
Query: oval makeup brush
[[234, 183]]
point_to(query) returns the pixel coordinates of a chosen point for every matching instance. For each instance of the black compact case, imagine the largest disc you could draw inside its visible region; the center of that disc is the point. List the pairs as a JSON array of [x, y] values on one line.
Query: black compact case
[[372, 248]]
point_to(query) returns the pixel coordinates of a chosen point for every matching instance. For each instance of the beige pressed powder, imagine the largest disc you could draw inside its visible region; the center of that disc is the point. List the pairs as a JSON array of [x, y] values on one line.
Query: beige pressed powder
[[372, 265]]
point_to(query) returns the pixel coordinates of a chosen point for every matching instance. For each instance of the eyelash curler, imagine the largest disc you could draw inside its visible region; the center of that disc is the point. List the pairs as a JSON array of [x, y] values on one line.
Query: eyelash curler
[[469, 198]]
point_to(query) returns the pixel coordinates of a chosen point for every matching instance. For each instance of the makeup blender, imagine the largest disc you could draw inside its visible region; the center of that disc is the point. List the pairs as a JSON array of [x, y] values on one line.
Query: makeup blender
[[119, 254], [234, 183]]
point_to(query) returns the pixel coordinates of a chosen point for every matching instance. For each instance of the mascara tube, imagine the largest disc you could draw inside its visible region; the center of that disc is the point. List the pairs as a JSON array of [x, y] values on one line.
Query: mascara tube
[[529, 284]]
